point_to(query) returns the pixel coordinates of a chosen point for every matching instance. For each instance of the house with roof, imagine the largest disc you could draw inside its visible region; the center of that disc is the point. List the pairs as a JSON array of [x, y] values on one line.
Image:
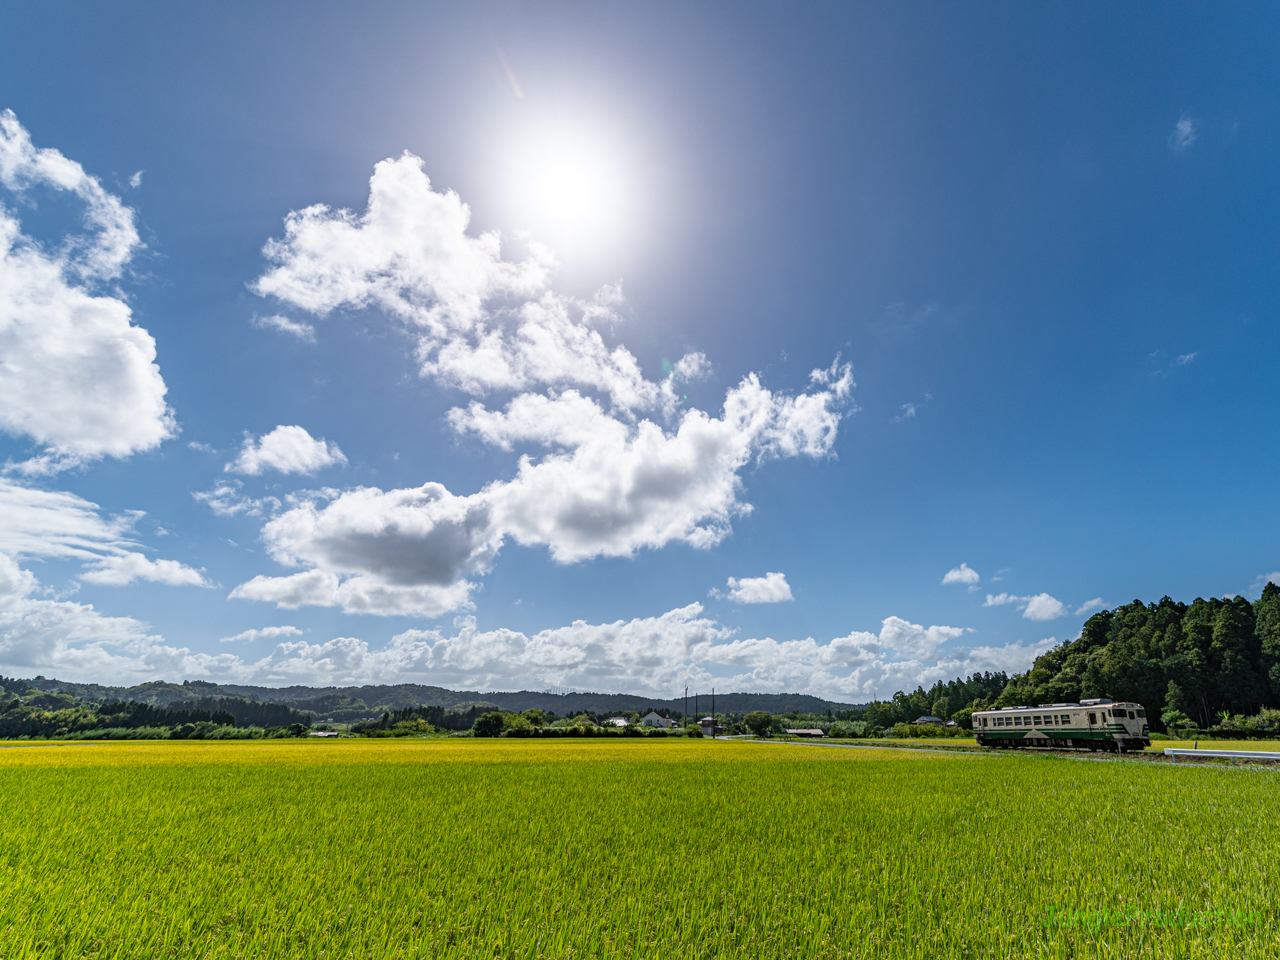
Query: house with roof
[[652, 719], [936, 721]]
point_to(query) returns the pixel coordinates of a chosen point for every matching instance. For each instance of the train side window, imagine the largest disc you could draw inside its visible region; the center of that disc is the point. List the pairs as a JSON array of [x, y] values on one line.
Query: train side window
[[1066, 719], [1092, 718]]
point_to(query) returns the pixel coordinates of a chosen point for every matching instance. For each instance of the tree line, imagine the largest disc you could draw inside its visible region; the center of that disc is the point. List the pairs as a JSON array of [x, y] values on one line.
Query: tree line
[[44, 715]]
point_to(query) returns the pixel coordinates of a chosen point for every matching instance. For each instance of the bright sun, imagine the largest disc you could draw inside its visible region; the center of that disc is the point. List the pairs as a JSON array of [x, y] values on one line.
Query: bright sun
[[569, 188]]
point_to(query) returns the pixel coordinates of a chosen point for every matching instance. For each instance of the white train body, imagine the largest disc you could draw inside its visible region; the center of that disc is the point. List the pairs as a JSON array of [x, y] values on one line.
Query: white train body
[[1087, 725]]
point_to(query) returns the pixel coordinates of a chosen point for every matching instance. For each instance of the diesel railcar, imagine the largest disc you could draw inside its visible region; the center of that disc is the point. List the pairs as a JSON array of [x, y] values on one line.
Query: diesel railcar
[[1088, 725]]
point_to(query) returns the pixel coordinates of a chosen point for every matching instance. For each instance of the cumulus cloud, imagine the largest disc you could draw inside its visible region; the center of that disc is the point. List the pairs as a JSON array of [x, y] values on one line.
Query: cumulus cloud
[[118, 571], [294, 328], [608, 488], [771, 588], [1044, 607], [60, 525], [370, 551], [76, 376], [1183, 135], [609, 461], [482, 323], [1039, 607], [73, 640], [1097, 603], [269, 633], [647, 655], [962, 574], [287, 450]]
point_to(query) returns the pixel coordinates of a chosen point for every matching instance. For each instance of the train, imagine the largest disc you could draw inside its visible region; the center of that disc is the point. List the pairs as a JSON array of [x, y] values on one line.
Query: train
[[1100, 724]]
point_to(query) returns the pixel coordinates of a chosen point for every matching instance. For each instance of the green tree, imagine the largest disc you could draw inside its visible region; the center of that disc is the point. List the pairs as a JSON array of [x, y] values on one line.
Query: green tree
[[942, 708], [488, 724], [759, 722]]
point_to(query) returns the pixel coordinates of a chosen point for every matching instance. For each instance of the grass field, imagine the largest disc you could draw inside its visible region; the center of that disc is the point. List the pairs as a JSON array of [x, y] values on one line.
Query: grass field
[[678, 849]]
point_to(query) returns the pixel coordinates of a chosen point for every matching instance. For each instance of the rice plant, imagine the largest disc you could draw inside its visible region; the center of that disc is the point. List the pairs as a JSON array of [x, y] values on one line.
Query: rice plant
[[685, 849]]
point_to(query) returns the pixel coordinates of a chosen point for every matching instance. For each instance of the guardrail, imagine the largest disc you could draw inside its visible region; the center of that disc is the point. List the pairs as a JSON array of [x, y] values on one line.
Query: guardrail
[[1174, 753]]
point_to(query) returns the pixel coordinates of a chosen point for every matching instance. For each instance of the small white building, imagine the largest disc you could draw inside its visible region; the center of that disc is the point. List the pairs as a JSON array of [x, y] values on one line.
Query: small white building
[[616, 722], [652, 719], [806, 732]]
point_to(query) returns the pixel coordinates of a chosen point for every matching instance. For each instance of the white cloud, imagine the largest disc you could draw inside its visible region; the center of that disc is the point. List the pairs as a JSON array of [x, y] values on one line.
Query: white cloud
[[59, 525], [1264, 578], [288, 450], [124, 569], [269, 633], [482, 323], [1038, 607], [74, 641], [1097, 603], [915, 640], [118, 571], [1185, 358], [1001, 599], [226, 500], [1044, 607], [394, 552], [1183, 135], [51, 523], [962, 574], [294, 328], [615, 489], [136, 180], [771, 588], [75, 375], [618, 465], [649, 655]]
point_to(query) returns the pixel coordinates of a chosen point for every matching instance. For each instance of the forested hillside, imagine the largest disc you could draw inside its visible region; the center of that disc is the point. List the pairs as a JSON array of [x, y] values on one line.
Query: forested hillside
[[1203, 659]]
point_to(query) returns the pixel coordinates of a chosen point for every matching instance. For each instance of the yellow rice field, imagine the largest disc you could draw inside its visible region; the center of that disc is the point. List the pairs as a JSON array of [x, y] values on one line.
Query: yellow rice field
[[681, 848]]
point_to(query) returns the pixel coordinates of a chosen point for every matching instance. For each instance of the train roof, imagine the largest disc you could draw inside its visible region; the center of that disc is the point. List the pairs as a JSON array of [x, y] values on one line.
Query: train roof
[[1100, 702]]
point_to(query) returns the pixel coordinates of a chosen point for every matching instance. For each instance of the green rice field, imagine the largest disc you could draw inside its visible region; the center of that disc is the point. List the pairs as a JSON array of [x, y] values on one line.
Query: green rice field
[[646, 849]]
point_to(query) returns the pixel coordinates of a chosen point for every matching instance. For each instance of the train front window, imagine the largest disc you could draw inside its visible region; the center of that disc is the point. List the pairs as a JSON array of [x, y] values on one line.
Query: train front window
[[1142, 713]]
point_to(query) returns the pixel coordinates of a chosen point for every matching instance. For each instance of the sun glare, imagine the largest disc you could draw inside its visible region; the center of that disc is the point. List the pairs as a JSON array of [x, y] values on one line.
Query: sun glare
[[569, 188]]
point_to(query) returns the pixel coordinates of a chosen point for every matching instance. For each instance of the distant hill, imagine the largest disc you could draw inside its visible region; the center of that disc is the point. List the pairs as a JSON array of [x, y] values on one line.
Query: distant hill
[[351, 703]]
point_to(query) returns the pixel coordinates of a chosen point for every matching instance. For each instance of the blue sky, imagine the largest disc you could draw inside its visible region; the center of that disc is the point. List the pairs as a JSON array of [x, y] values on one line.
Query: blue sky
[[1004, 276]]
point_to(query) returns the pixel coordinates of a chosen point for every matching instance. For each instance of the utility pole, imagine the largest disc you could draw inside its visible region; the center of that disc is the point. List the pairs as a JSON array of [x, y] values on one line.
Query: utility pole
[[686, 705], [713, 713]]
